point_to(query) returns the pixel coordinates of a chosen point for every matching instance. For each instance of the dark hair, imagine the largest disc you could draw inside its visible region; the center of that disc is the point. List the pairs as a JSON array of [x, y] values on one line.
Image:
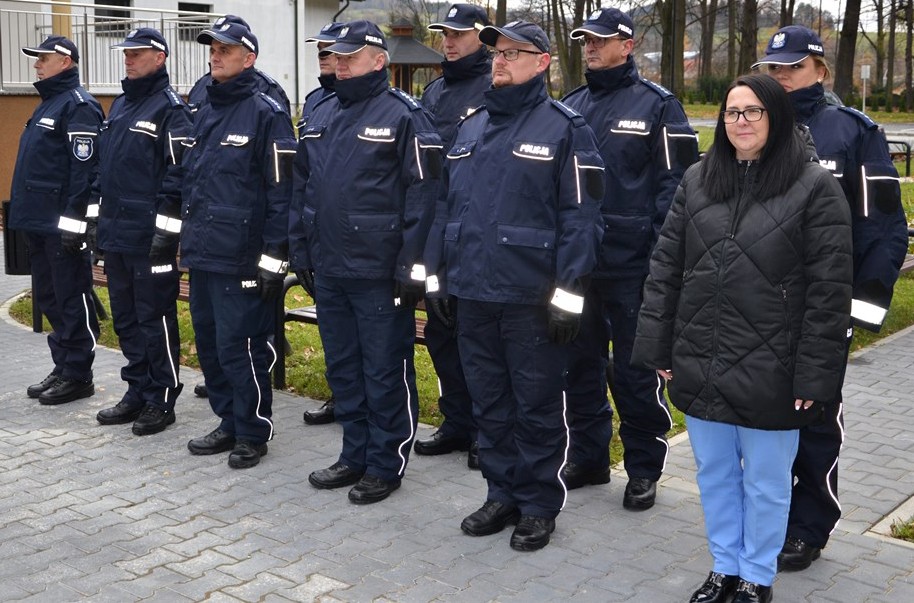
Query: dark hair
[[782, 157]]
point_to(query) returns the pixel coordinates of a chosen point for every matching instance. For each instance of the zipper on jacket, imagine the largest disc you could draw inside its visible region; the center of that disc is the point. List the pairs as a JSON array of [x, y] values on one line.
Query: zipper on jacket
[[787, 318]]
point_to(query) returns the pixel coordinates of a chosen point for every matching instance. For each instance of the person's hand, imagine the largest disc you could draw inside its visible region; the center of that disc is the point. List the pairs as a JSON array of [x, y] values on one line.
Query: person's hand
[[164, 247], [802, 404], [269, 283], [92, 234], [72, 242], [441, 306], [563, 325], [665, 374], [306, 280], [408, 294]]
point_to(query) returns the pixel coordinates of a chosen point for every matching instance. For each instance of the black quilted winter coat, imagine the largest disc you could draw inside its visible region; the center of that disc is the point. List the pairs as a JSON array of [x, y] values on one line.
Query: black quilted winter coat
[[748, 300]]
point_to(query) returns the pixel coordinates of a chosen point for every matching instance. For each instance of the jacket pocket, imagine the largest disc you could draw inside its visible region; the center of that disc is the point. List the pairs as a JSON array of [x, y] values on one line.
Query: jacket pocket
[[226, 233], [376, 238], [525, 257], [44, 199], [133, 221]]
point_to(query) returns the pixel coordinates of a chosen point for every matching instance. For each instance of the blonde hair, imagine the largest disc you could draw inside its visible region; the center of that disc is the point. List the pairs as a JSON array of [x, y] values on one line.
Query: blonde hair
[[821, 62]]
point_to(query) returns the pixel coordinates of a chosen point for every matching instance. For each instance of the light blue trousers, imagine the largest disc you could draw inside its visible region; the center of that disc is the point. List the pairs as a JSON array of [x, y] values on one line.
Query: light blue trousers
[[745, 483]]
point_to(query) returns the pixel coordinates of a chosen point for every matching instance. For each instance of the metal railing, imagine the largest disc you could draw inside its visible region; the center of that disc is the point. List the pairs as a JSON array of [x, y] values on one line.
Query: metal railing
[[100, 67], [901, 149]]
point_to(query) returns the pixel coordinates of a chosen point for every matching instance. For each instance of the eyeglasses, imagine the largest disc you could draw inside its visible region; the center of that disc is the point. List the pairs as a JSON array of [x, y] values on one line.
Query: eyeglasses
[[731, 116], [595, 41], [510, 54]]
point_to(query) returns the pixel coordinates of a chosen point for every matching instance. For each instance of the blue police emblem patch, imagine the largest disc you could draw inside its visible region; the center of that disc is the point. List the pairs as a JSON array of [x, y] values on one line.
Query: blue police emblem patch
[[83, 148]]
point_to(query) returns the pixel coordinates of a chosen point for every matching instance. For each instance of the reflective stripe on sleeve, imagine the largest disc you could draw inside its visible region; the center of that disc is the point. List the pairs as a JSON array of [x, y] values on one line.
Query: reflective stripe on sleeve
[[273, 264], [431, 284], [168, 224], [568, 301], [867, 312], [71, 225]]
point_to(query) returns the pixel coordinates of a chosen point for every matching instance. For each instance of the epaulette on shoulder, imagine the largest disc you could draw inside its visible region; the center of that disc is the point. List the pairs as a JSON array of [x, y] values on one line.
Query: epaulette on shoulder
[[568, 112], [408, 100], [268, 78], [663, 92], [80, 95], [867, 121], [173, 97], [272, 102]]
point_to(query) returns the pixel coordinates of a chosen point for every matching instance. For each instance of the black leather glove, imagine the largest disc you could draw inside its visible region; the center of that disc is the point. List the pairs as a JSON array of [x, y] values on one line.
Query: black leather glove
[[72, 242], [92, 234], [269, 283], [443, 309], [409, 294], [164, 247], [306, 280], [563, 326]]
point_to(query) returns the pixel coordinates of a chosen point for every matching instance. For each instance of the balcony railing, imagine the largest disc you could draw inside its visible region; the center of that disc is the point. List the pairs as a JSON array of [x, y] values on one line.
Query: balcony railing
[[24, 23]]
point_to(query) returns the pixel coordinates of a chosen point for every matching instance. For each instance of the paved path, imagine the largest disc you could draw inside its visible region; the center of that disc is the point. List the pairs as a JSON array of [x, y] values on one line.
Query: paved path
[[94, 513]]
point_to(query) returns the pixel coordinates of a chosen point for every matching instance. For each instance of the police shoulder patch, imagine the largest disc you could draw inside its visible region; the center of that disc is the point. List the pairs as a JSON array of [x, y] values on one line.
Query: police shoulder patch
[[408, 100], [660, 90], [568, 112], [83, 147], [277, 108], [867, 121]]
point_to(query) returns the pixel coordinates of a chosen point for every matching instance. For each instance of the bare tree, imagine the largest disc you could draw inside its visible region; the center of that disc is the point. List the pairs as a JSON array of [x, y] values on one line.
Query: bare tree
[[890, 59], [847, 48], [909, 28], [748, 46], [707, 19], [878, 44], [732, 38], [787, 9], [672, 15]]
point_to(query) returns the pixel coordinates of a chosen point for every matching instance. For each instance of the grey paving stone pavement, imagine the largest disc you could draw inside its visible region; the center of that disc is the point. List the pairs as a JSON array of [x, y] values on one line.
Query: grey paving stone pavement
[[93, 513]]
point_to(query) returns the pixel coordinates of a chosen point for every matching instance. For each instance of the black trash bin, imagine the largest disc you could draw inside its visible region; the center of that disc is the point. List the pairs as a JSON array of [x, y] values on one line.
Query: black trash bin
[[15, 247]]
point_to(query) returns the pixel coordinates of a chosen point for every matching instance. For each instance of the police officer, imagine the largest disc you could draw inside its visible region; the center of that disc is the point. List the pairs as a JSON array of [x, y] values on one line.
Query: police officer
[[327, 78], [366, 175], [646, 143], [197, 96], [852, 147], [467, 73], [56, 164], [517, 238], [235, 214], [147, 124]]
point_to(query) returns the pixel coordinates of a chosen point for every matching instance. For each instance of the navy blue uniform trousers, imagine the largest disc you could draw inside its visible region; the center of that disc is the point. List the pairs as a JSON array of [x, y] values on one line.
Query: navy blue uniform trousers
[[63, 289], [611, 311], [454, 400], [516, 378], [233, 328], [814, 506], [368, 348], [144, 309]]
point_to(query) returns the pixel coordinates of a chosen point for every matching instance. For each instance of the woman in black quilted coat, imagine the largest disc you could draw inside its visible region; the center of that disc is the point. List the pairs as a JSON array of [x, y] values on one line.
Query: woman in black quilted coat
[[744, 314]]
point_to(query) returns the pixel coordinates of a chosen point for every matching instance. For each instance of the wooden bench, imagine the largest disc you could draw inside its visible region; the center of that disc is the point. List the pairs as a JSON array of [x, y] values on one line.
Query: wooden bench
[[308, 315]]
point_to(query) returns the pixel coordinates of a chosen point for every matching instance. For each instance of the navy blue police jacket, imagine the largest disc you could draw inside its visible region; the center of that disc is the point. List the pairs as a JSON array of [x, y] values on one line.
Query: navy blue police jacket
[[312, 98], [851, 146], [646, 143], [57, 159], [518, 218], [366, 175], [140, 147], [458, 92], [197, 97], [237, 180]]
